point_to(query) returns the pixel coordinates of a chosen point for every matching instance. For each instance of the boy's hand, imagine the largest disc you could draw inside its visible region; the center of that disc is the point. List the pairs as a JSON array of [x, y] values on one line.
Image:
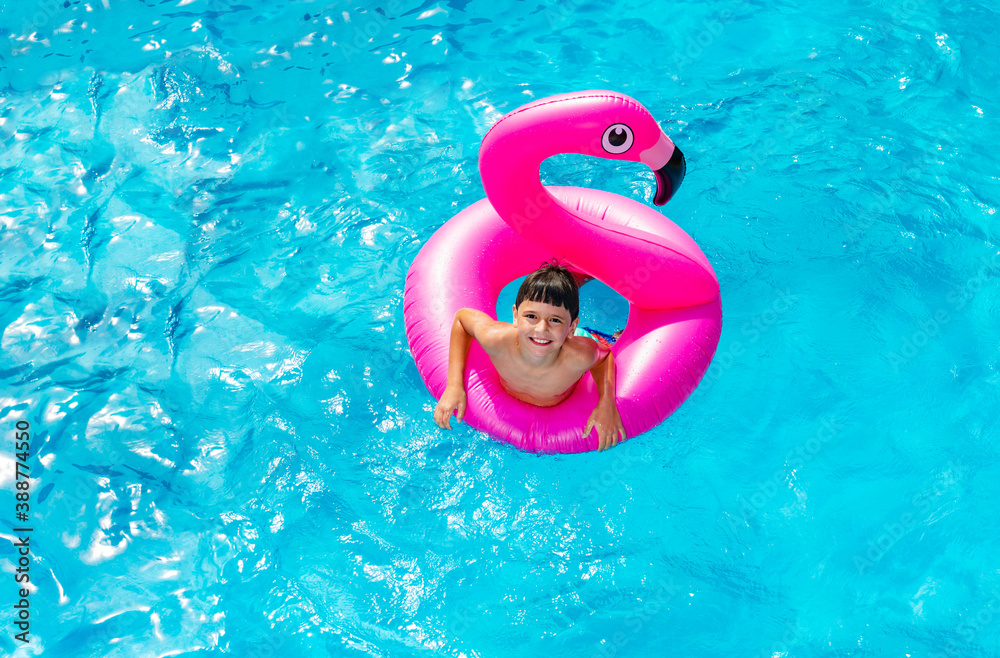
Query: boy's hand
[[453, 399], [608, 423]]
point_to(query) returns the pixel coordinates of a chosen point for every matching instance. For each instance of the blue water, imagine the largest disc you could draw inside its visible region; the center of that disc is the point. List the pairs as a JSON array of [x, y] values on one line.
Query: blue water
[[207, 212]]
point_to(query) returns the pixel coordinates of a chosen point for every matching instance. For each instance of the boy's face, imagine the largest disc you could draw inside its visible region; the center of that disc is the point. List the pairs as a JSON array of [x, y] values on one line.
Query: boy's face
[[543, 328]]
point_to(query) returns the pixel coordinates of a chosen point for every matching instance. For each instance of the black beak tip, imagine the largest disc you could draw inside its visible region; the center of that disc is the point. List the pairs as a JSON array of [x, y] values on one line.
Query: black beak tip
[[669, 177]]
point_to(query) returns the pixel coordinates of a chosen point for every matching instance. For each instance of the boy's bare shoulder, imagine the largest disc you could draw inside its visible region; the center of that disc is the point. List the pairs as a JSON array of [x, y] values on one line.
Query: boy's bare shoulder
[[498, 335], [583, 352], [491, 334]]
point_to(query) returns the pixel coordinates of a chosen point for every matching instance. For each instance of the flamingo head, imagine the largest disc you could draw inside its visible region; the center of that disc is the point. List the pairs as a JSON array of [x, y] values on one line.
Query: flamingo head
[[603, 124], [622, 129]]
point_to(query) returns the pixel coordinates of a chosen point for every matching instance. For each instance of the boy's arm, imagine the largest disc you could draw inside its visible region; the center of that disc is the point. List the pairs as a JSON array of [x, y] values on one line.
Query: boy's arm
[[603, 372], [468, 324], [605, 416]]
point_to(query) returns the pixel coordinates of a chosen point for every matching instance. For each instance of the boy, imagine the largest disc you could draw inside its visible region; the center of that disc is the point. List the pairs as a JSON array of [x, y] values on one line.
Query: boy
[[538, 358]]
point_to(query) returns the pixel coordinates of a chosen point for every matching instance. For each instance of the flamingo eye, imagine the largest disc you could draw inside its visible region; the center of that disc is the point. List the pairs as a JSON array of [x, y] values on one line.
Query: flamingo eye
[[617, 138]]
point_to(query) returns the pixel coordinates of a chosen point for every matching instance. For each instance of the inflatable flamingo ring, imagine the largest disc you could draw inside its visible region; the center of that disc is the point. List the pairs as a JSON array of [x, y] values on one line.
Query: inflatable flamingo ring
[[675, 315]]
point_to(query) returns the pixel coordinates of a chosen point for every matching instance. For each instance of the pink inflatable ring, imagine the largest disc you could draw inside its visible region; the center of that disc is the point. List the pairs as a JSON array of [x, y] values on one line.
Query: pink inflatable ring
[[675, 315]]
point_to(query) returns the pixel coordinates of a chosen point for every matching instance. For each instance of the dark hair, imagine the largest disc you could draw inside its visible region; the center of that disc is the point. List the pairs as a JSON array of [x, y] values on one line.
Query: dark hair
[[551, 284]]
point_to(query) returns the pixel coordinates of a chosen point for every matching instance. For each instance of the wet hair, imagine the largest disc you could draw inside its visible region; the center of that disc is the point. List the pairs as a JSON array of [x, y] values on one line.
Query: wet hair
[[551, 284]]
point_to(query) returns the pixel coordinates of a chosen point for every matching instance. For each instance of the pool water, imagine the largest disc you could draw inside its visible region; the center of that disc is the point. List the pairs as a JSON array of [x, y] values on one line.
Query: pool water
[[207, 213]]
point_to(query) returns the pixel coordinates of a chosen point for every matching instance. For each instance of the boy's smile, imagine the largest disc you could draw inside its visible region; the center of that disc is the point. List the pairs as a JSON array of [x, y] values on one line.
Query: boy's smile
[[542, 328]]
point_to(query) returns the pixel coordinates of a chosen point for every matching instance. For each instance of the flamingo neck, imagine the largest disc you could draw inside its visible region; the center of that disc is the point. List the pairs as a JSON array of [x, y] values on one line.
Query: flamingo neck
[[510, 172]]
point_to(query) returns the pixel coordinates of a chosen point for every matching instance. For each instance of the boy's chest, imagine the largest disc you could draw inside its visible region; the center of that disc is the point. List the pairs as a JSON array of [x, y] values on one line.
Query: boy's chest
[[544, 384]]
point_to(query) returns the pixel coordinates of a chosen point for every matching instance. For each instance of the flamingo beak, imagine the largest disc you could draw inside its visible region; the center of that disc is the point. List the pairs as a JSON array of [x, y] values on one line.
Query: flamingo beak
[[669, 166], [669, 177]]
